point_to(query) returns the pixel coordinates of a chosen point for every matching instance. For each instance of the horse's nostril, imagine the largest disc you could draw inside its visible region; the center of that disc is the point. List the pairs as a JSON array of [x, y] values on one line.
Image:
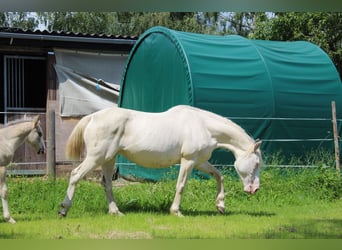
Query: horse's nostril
[[41, 151], [255, 190]]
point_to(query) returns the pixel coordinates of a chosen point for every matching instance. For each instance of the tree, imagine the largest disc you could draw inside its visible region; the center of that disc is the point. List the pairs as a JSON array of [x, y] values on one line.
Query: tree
[[321, 28], [77, 22], [131, 23], [3, 19], [135, 23], [24, 20], [125, 23]]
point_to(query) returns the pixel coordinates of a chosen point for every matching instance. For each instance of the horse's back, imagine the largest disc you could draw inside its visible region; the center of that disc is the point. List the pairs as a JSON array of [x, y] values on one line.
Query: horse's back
[[162, 139]]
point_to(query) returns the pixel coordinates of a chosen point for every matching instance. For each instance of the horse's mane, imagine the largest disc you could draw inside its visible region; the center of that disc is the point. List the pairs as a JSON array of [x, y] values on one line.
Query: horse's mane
[[222, 119], [15, 122], [218, 117]]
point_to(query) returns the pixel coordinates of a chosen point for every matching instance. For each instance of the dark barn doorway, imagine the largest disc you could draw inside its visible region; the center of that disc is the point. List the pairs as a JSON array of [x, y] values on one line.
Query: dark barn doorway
[[24, 85]]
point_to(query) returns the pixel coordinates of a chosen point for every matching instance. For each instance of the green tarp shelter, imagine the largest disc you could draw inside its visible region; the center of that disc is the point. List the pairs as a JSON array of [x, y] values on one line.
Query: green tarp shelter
[[280, 92]]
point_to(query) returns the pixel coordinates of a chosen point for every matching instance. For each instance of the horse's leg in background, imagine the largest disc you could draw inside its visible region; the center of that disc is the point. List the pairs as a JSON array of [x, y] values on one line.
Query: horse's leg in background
[[77, 174], [108, 170], [206, 167], [185, 169], [3, 194]]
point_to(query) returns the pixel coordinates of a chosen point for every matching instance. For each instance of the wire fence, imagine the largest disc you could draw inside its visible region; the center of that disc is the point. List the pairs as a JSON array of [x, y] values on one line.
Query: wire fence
[[291, 119], [26, 161]]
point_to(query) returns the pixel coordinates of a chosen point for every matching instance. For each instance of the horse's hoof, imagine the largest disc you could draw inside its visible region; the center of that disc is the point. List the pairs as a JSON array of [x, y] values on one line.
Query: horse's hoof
[[117, 213], [62, 214], [11, 220], [220, 209], [177, 213]]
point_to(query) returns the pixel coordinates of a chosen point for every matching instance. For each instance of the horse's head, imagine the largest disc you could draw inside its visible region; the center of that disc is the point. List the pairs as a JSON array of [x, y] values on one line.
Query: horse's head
[[248, 168], [35, 137]]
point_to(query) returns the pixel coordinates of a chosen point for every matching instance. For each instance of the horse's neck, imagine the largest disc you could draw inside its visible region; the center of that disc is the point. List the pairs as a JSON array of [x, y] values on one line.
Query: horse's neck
[[15, 135], [231, 136]]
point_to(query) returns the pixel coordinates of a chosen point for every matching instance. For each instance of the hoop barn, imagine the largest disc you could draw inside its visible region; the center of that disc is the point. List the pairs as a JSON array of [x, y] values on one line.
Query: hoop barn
[[280, 92]]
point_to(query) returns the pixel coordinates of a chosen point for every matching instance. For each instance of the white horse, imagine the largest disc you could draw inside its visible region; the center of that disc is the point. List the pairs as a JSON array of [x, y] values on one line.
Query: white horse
[[11, 138], [183, 134]]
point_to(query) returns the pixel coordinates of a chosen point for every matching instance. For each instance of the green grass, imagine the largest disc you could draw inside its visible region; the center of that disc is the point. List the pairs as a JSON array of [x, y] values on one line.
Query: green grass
[[291, 204], [320, 221]]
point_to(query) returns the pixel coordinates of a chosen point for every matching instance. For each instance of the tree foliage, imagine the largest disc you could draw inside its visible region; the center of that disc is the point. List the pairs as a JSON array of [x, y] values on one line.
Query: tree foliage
[[24, 20], [124, 23], [137, 23], [321, 28]]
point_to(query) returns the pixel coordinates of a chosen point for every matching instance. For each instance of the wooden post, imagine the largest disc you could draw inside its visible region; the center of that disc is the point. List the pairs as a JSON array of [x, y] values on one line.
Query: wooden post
[[334, 121], [51, 148]]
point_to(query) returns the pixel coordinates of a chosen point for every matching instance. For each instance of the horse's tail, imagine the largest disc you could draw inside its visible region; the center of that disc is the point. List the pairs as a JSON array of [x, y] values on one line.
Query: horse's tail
[[75, 143]]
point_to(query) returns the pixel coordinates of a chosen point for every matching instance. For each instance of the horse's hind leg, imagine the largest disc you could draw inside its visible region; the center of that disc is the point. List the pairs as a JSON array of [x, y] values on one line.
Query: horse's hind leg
[[108, 170], [3, 194], [76, 175], [206, 167]]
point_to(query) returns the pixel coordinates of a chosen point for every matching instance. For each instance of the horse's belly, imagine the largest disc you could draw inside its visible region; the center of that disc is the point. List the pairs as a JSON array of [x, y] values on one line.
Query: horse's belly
[[152, 158]]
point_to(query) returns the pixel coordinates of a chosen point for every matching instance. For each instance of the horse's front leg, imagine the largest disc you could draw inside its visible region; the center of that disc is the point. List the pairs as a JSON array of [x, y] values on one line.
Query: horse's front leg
[[186, 167], [3, 194], [108, 170], [206, 167], [76, 175]]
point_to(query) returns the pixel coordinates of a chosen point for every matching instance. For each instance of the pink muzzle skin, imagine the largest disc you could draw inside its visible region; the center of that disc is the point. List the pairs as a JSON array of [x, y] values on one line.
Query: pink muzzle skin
[[251, 189]]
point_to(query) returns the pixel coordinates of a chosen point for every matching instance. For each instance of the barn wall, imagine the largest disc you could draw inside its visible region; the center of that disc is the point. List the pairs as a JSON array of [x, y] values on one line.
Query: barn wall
[[63, 126]]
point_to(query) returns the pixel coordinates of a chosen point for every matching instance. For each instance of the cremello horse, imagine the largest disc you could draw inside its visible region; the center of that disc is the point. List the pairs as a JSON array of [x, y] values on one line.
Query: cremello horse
[[11, 138], [183, 134]]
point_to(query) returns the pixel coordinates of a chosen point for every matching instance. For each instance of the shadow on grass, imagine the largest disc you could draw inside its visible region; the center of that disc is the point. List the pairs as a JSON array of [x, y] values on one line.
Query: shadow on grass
[[164, 208], [229, 213], [187, 212], [311, 229], [10, 236]]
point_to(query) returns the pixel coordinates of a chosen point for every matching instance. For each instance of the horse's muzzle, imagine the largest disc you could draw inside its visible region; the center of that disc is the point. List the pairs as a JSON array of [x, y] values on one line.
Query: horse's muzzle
[[251, 189], [41, 151]]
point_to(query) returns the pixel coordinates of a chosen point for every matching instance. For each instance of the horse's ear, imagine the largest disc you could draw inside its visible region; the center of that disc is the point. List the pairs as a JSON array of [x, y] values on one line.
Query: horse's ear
[[36, 120], [257, 145]]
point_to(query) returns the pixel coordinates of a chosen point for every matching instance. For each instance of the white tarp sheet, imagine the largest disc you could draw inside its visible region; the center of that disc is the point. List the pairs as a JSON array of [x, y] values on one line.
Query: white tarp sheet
[[87, 81]]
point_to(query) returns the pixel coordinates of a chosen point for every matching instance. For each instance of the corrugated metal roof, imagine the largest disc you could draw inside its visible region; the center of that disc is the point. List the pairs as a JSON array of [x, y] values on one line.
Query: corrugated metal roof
[[65, 33], [61, 39]]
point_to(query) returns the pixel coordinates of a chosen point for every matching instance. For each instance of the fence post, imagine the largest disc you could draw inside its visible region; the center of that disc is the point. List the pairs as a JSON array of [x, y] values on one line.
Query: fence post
[[51, 145], [334, 121]]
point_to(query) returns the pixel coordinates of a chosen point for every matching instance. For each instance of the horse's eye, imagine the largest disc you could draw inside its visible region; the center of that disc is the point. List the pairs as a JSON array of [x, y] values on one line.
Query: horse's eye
[[40, 134]]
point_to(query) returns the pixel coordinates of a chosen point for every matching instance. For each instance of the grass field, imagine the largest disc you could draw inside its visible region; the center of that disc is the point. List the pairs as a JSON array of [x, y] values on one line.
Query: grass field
[[294, 222], [291, 204]]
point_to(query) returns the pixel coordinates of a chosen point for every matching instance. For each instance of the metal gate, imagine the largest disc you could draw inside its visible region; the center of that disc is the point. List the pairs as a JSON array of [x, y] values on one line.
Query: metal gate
[[20, 103], [15, 84]]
